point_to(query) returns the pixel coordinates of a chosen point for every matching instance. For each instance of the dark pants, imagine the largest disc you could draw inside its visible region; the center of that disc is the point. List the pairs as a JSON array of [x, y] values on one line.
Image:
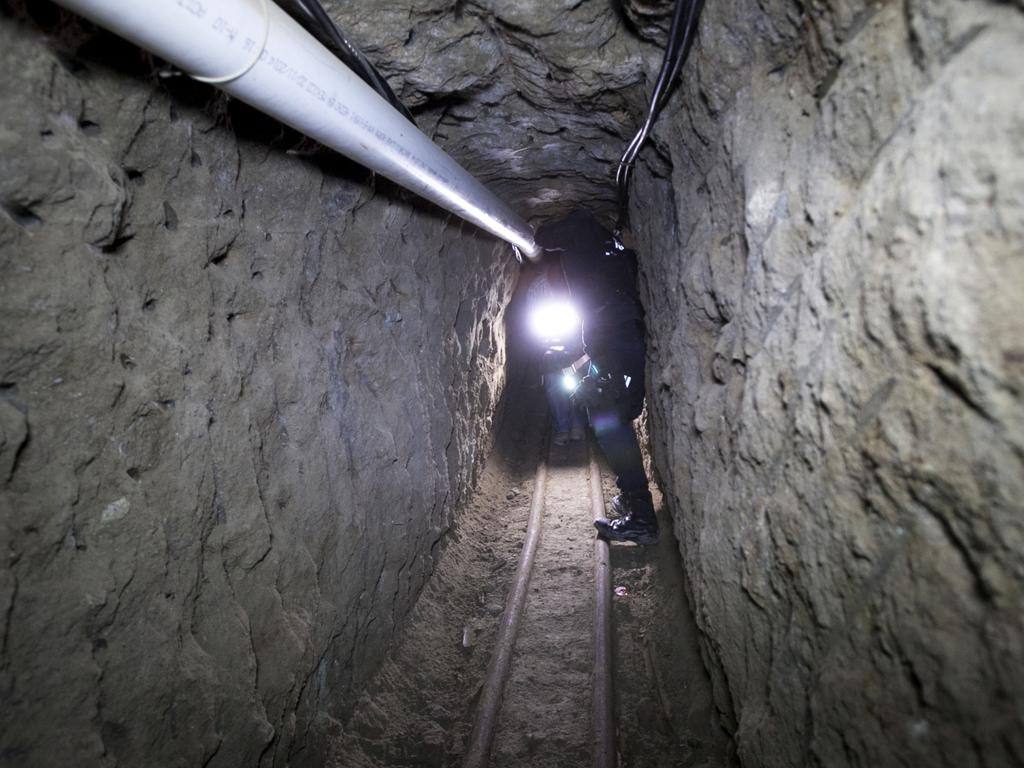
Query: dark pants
[[618, 442], [565, 415], [613, 424]]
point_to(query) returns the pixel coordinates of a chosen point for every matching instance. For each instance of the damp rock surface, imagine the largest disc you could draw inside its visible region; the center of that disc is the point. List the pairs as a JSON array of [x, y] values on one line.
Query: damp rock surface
[[244, 388], [833, 279]]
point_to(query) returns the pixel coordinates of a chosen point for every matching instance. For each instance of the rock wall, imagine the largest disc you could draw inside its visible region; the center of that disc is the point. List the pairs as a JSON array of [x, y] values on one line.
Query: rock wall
[[244, 388], [831, 224]]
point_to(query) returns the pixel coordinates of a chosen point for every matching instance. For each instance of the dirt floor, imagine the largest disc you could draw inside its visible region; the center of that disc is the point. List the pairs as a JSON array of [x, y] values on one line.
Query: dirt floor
[[545, 716], [418, 709]]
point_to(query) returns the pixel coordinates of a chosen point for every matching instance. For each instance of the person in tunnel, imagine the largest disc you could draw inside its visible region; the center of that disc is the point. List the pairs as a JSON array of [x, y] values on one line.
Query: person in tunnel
[[556, 324], [600, 277]]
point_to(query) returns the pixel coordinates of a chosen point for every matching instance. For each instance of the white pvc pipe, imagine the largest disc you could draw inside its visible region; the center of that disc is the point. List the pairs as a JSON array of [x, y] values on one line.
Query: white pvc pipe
[[257, 53]]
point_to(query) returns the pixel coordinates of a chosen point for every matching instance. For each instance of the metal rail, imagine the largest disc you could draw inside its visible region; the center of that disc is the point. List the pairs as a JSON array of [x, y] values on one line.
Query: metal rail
[[485, 725], [497, 672], [603, 710]]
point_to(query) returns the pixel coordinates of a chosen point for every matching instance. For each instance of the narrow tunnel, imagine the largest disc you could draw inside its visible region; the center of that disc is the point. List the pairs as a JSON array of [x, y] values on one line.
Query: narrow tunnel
[[268, 425]]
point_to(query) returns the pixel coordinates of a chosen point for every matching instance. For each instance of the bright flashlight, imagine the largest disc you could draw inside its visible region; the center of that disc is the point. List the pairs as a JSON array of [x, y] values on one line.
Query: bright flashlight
[[554, 320], [569, 382]]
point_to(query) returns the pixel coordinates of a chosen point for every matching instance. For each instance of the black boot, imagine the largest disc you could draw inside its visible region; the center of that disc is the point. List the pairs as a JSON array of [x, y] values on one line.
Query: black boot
[[635, 522]]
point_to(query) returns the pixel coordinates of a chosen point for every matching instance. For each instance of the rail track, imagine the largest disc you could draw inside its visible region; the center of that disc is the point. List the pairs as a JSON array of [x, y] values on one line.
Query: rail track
[[507, 658], [585, 477]]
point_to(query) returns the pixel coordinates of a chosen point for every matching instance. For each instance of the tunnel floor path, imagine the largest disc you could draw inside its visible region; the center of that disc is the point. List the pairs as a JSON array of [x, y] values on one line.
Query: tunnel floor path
[[418, 708]]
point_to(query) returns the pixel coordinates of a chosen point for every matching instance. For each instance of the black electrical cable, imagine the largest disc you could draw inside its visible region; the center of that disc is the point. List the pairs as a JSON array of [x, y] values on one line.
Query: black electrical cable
[[349, 54], [670, 68], [677, 49], [692, 18], [664, 75]]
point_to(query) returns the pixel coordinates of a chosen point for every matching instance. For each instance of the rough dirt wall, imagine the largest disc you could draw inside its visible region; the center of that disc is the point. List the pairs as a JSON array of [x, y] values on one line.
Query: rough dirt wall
[[832, 228], [243, 389]]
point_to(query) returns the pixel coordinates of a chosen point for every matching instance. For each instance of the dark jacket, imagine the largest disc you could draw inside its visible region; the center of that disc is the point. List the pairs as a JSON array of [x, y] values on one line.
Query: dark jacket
[[601, 276]]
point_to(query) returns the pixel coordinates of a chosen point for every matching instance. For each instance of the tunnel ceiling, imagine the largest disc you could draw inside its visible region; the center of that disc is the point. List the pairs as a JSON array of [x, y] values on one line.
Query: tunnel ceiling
[[536, 98]]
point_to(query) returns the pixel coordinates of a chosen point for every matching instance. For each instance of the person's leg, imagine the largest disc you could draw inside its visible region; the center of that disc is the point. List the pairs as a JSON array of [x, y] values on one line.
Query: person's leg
[[620, 447], [558, 401], [636, 519], [577, 422]]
